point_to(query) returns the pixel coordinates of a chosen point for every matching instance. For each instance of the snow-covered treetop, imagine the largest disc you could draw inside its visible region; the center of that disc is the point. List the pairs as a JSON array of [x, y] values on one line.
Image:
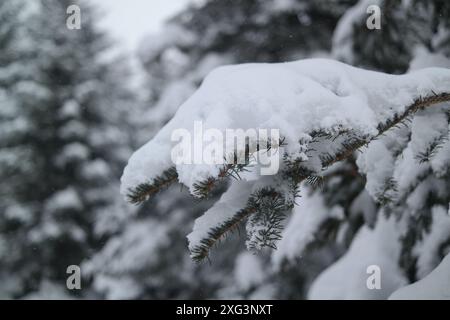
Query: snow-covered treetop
[[323, 109]]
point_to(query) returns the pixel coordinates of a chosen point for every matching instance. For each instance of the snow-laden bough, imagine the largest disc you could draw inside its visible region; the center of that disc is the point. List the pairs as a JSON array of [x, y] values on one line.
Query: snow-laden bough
[[324, 111]]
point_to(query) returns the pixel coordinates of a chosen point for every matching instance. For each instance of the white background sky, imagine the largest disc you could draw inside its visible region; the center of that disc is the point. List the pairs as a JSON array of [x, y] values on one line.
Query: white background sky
[[129, 20]]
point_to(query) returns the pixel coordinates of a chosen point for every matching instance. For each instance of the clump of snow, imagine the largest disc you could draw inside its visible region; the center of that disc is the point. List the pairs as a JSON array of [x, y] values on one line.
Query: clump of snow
[[117, 256], [347, 278], [399, 159], [49, 291], [14, 126], [126, 254], [428, 249], [64, 200], [282, 5], [178, 91], [426, 128], [233, 200], [10, 283], [307, 217], [173, 35], [407, 171], [97, 168], [72, 152], [433, 121], [365, 206], [295, 97], [32, 89], [435, 286], [440, 163], [248, 271], [70, 109], [378, 165], [424, 59], [18, 212], [118, 288], [172, 97], [343, 34], [72, 130]]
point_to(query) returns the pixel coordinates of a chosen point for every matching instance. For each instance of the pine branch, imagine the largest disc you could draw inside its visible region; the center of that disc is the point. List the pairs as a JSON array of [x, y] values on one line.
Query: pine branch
[[201, 251], [432, 149], [315, 181], [231, 170], [144, 191], [295, 173], [264, 227], [300, 173], [417, 105], [267, 206], [389, 192], [203, 189], [257, 202]]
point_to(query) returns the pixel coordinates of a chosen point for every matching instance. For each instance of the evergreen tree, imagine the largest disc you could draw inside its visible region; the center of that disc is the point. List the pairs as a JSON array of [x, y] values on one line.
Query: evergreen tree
[[345, 197], [177, 60], [12, 157], [414, 196], [67, 147], [412, 36]]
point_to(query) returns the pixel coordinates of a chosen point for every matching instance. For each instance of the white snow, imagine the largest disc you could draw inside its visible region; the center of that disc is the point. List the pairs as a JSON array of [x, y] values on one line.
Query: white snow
[[64, 200], [343, 34], [435, 286], [118, 288], [440, 163], [295, 97], [70, 109], [428, 249], [73, 129], [432, 124], [32, 89], [97, 168], [156, 43], [427, 127], [307, 217], [407, 170], [379, 161], [127, 253], [424, 59], [49, 291], [145, 237], [233, 200], [347, 278], [18, 212], [248, 271], [73, 151], [172, 97], [178, 91], [365, 206], [378, 165]]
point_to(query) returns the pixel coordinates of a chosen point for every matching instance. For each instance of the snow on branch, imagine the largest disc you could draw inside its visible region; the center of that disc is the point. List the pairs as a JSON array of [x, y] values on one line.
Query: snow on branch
[[325, 110], [144, 191]]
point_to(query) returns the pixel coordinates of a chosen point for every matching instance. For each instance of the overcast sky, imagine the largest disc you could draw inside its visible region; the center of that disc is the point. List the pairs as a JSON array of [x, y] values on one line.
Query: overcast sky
[[129, 20]]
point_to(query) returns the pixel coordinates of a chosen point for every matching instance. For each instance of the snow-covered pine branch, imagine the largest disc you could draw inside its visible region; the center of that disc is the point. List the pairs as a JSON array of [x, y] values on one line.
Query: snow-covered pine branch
[[325, 110]]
